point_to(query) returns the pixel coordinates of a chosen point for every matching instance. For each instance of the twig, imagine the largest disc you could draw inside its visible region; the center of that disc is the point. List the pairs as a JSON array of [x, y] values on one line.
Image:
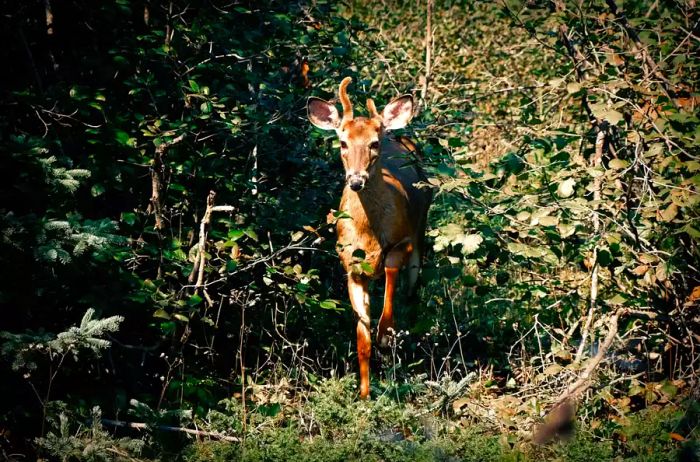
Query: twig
[[168, 27], [600, 143], [212, 58], [578, 60], [428, 51], [202, 254], [157, 171], [200, 260], [167, 428], [583, 382], [529, 29], [638, 47], [242, 365], [652, 8], [597, 183]]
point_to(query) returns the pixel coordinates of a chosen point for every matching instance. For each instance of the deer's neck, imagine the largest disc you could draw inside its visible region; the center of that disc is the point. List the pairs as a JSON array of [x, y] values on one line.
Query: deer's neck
[[374, 197]]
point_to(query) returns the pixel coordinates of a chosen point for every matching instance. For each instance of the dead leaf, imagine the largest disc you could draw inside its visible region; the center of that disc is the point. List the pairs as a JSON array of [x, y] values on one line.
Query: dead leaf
[[695, 294], [676, 436], [670, 213]]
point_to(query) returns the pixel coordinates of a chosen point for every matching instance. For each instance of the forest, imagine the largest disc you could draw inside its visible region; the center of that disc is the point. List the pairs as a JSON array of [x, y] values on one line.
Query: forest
[[170, 283]]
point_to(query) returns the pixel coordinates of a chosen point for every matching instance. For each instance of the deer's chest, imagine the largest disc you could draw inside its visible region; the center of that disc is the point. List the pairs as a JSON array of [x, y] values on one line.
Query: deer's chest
[[371, 228]]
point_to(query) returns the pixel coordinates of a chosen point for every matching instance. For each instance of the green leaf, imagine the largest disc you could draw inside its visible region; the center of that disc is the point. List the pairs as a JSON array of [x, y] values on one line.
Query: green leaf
[[330, 305], [566, 188], [603, 257], [251, 234], [367, 268], [618, 164], [548, 221], [97, 190], [668, 389], [470, 243], [181, 317], [121, 136], [235, 234], [617, 299], [161, 313], [566, 229], [604, 112], [692, 232]]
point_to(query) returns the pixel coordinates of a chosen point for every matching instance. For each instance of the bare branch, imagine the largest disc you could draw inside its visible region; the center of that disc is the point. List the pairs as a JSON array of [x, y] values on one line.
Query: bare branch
[[428, 51], [157, 172], [583, 382], [638, 47], [167, 428], [201, 257]]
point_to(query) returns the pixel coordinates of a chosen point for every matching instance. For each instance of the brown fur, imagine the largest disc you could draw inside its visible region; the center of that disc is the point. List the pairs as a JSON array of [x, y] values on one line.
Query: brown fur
[[387, 212]]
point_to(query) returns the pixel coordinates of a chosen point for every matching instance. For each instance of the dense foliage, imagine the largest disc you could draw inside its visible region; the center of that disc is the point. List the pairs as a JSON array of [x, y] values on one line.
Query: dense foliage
[[167, 256]]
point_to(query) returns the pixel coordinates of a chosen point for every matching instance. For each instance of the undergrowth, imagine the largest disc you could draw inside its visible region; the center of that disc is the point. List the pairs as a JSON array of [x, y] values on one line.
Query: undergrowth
[[333, 425]]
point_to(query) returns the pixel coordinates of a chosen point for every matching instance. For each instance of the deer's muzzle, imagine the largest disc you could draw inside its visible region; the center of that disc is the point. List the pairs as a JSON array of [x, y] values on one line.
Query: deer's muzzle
[[356, 181]]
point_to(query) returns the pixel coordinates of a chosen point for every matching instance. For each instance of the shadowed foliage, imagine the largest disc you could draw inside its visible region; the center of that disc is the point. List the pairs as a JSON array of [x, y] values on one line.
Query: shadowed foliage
[[168, 255]]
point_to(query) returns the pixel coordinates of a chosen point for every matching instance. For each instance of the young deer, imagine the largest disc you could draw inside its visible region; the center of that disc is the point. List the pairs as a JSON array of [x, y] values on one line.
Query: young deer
[[387, 211]]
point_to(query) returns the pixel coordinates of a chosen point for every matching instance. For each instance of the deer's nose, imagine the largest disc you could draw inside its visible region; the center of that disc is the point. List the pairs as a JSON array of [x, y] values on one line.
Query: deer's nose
[[356, 179], [356, 183]]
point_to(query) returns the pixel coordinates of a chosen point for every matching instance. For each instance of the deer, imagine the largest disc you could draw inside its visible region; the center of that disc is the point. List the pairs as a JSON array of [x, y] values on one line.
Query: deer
[[387, 210]]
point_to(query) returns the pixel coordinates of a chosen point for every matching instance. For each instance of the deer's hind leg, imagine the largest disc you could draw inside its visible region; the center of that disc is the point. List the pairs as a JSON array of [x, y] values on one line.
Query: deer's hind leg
[[395, 259]]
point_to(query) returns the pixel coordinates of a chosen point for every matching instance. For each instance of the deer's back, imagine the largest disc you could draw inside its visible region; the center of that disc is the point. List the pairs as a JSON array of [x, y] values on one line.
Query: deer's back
[[400, 160]]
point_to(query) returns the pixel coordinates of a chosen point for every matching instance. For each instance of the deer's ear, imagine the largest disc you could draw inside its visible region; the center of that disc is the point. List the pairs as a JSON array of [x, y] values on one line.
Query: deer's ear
[[322, 114], [398, 113]]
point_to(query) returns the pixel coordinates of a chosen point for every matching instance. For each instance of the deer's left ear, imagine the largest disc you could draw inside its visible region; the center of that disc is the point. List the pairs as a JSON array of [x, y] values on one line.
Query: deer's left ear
[[398, 113], [322, 114]]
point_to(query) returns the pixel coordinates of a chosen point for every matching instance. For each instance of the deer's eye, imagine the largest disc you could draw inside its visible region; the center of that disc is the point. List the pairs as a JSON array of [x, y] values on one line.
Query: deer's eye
[[374, 145], [343, 145]]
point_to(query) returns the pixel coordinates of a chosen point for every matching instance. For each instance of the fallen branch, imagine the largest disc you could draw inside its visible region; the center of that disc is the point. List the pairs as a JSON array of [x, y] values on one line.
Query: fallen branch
[[560, 417], [583, 382], [167, 428]]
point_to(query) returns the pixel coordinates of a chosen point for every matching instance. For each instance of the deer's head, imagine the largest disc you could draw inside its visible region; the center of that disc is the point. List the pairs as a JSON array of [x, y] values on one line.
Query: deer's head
[[360, 138]]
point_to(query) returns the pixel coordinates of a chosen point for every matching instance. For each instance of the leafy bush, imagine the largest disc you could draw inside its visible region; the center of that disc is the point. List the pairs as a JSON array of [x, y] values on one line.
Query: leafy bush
[[163, 174], [88, 443]]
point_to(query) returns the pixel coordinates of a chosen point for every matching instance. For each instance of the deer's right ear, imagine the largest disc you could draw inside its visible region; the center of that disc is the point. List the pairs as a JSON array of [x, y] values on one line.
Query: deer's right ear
[[322, 114]]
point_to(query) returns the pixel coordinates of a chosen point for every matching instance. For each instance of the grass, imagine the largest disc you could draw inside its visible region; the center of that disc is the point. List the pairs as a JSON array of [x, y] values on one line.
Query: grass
[[334, 426], [331, 424]]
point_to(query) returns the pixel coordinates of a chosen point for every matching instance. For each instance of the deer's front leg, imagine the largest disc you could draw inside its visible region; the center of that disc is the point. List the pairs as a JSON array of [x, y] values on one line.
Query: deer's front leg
[[395, 259], [359, 298]]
